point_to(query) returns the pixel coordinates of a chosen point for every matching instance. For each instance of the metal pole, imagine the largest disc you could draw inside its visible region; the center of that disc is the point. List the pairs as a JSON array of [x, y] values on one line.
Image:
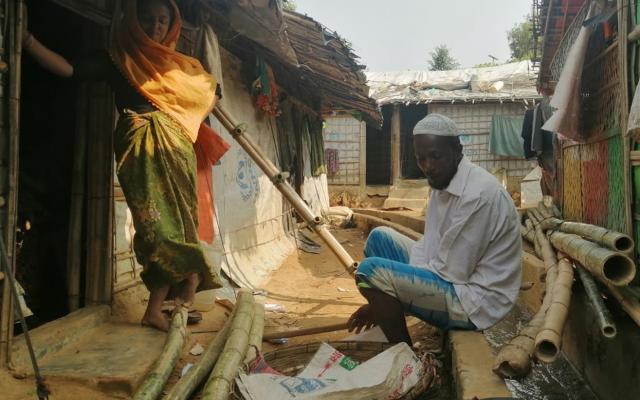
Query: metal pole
[[315, 222], [42, 391]]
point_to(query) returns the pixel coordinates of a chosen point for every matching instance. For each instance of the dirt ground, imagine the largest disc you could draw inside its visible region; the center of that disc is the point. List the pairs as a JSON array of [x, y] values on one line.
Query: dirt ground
[[315, 290], [312, 289]]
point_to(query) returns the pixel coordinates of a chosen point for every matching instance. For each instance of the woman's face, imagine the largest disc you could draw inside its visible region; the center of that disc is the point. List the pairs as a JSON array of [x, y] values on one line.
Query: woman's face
[[155, 20]]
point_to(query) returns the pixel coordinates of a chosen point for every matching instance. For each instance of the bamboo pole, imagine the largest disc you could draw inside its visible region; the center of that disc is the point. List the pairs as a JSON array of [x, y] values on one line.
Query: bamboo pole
[[76, 209], [623, 77], [245, 141], [155, 379], [306, 331], [14, 19], [549, 338], [603, 316], [528, 232], [608, 266], [371, 220], [629, 303], [611, 239], [220, 382], [185, 387], [514, 359], [255, 336]]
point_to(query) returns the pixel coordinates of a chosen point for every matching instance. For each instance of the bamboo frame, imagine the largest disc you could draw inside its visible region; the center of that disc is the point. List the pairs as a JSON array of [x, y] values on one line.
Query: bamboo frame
[[76, 212], [157, 377], [608, 266], [549, 338], [219, 384], [99, 238], [315, 222], [15, 14]]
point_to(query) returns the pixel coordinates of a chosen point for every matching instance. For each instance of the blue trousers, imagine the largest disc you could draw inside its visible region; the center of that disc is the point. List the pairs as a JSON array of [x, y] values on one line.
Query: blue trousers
[[421, 292]]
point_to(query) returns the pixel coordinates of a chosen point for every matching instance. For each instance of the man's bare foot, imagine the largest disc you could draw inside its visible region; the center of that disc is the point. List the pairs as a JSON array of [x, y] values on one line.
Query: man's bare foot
[[158, 321]]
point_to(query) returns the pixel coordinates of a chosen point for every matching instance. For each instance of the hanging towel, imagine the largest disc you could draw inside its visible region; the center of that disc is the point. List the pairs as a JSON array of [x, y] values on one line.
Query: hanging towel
[[527, 131], [505, 137]]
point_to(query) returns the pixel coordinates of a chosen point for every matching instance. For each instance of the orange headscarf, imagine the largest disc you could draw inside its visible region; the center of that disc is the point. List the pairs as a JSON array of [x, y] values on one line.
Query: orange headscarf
[[175, 83]]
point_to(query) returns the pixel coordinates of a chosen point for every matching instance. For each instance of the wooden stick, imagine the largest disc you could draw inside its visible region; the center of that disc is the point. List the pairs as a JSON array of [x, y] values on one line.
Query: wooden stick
[[220, 382], [155, 380], [305, 331]]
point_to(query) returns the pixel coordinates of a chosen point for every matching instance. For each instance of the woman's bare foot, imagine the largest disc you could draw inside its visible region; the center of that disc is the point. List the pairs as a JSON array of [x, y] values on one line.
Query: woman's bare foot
[[188, 289], [153, 315], [158, 321]]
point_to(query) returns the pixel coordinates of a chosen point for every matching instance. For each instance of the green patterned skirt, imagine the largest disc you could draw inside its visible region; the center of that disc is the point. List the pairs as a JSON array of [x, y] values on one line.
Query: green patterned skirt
[[156, 167]]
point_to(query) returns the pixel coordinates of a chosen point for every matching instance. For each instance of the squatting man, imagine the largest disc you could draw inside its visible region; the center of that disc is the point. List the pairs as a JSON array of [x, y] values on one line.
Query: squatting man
[[465, 272]]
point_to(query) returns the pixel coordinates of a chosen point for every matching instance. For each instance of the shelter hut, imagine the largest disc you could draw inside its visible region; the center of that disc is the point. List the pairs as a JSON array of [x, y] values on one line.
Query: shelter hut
[[373, 159], [63, 215], [591, 175]]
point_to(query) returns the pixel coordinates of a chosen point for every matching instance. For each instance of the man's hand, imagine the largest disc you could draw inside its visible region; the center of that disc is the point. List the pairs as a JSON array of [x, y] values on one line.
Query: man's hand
[[361, 319]]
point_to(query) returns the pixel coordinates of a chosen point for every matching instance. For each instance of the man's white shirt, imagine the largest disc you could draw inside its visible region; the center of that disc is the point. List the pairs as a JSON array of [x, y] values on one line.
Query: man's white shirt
[[472, 239]]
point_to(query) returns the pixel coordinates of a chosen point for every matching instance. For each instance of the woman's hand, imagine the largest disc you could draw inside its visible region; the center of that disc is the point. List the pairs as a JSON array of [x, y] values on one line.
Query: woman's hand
[[361, 319], [48, 59]]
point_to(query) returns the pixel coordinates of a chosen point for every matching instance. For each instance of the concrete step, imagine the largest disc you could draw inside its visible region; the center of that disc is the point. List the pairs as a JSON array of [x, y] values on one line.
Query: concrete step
[[414, 198], [472, 360], [86, 347]]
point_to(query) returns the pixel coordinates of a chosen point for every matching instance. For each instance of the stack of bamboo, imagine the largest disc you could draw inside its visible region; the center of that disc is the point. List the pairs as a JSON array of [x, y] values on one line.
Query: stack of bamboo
[[235, 346], [596, 253]]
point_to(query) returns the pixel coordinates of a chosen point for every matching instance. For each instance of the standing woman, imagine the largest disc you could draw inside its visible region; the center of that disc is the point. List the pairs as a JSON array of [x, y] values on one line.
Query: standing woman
[[162, 97]]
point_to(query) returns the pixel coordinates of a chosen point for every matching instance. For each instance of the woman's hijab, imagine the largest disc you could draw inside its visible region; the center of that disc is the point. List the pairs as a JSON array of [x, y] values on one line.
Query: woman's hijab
[[173, 82]]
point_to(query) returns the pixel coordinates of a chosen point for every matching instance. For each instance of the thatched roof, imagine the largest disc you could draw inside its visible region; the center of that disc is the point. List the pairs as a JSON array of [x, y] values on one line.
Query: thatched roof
[[328, 63], [310, 62]]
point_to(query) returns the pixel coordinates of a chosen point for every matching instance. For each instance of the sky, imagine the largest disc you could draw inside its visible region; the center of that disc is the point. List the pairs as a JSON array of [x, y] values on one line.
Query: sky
[[392, 35]]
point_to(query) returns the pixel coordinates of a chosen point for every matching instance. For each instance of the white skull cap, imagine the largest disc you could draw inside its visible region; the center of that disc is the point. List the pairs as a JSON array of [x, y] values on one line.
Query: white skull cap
[[436, 124]]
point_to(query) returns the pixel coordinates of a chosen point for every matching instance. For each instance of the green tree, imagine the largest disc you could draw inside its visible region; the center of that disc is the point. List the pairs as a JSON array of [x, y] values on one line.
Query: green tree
[[442, 60], [289, 5], [520, 39]]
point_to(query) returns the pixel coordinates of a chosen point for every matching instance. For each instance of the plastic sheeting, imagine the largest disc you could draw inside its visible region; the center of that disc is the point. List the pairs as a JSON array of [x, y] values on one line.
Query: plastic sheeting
[[565, 121], [515, 80]]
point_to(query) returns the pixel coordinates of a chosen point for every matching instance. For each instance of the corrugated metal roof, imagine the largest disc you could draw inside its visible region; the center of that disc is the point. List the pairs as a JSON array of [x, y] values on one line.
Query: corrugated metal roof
[[515, 81]]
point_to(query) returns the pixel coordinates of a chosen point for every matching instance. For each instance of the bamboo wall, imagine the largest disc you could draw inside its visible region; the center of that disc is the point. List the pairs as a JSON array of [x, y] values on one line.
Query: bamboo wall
[[344, 133], [474, 120]]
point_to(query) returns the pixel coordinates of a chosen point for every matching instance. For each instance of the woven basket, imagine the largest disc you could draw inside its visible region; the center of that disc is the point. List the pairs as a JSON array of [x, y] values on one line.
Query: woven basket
[[292, 360]]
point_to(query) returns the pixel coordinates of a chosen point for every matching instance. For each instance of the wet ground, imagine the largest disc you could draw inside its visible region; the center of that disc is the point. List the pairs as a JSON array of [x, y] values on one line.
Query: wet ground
[[555, 381]]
